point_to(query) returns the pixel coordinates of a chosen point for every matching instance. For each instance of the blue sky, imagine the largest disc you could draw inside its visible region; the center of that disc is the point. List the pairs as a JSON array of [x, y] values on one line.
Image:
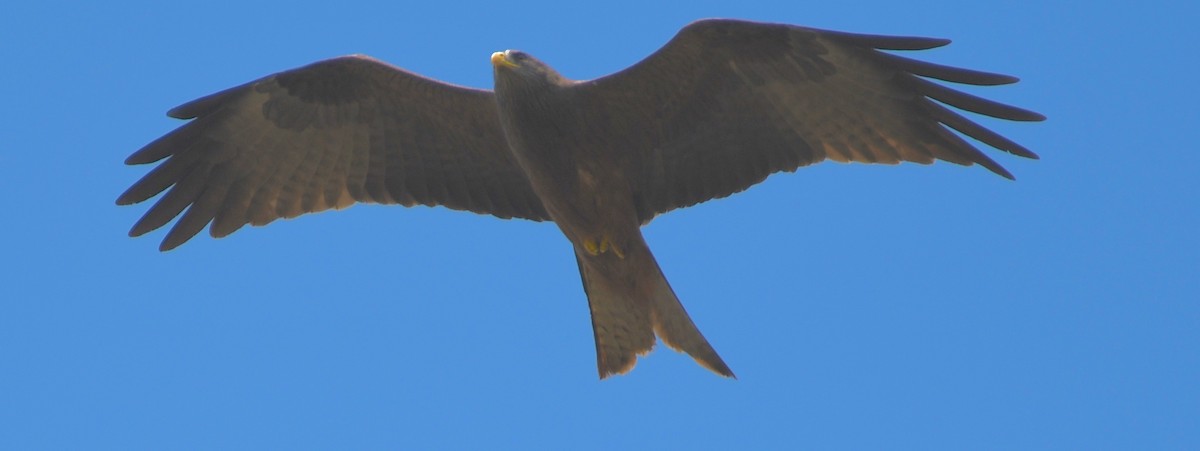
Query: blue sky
[[862, 307]]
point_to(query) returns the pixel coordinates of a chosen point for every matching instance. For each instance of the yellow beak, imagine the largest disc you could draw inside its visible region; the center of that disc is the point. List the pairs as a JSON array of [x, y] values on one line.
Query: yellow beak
[[500, 59]]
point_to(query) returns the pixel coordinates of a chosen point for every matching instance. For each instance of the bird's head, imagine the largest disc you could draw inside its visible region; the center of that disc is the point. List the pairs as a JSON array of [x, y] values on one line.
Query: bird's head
[[515, 66]]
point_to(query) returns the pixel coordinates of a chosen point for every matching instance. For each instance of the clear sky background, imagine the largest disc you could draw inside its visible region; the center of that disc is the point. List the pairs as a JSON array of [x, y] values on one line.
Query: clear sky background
[[866, 307]]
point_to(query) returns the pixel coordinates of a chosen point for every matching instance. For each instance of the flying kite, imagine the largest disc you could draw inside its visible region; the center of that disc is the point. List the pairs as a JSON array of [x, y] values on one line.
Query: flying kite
[[716, 110]]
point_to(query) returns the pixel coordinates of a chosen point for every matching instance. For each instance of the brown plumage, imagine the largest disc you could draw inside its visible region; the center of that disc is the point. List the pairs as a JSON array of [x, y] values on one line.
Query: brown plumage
[[719, 108]]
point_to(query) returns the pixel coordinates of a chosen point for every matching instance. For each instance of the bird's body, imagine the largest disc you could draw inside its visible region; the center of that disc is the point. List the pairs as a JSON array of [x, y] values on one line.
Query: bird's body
[[586, 189], [718, 109]]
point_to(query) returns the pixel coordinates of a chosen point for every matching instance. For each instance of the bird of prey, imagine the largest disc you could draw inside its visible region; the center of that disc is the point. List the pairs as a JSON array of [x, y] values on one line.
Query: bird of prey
[[723, 105]]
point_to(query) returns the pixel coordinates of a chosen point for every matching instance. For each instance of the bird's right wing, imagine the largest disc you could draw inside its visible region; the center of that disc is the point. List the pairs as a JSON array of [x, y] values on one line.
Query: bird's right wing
[[726, 103], [344, 130]]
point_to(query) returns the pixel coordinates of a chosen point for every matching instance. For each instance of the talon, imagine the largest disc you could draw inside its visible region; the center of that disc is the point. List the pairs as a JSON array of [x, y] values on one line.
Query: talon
[[604, 245], [616, 250], [590, 246]]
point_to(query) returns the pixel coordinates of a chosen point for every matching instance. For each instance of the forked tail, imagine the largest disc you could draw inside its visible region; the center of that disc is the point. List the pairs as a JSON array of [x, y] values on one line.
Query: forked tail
[[631, 302]]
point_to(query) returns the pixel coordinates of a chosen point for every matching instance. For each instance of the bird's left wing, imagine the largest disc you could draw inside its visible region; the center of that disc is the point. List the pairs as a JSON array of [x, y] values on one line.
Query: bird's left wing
[[726, 103], [345, 130]]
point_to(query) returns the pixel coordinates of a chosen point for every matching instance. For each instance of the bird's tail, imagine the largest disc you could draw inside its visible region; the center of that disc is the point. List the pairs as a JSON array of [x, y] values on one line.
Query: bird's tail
[[631, 302]]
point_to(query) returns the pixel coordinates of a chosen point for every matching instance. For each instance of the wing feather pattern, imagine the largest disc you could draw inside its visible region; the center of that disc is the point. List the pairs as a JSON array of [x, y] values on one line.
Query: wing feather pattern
[[325, 136], [726, 103]]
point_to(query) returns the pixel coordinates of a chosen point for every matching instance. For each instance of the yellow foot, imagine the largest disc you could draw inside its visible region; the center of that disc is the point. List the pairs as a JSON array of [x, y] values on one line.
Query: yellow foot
[[604, 245]]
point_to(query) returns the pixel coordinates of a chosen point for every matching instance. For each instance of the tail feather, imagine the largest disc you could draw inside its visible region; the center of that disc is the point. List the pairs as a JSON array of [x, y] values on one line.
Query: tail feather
[[623, 326], [631, 302], [675, 327]]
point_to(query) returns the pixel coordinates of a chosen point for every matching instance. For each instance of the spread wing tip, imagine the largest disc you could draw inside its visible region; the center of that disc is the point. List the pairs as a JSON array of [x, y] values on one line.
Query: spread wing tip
[[883, 42], [997, 169], [945, 73], [207, 104], [126, 199], [168, 245], [195, 108]]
